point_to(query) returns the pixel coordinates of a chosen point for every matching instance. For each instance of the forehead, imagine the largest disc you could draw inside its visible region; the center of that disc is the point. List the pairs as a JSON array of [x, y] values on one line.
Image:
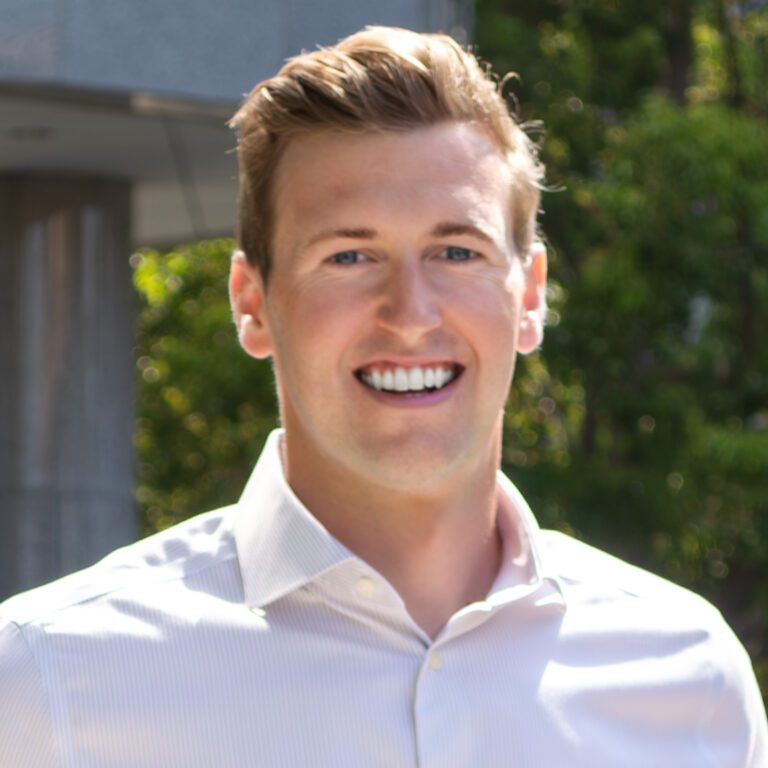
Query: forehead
[[450, 169]]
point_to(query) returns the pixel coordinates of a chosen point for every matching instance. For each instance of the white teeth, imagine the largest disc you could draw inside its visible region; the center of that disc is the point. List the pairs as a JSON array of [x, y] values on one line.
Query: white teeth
[[415, 379]]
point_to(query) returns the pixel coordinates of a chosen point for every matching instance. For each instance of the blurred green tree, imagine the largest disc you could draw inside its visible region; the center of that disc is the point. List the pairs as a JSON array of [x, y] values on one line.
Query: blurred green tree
[[642, 425], [204, 408]]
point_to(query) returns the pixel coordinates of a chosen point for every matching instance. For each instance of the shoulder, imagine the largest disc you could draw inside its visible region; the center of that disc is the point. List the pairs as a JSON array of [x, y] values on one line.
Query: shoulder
[[592, 574], [610, 599], [673, 637], [68, 646], [193, 546]]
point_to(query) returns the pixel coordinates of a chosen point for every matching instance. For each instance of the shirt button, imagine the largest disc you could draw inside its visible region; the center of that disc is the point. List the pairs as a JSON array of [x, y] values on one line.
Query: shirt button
[[435, 661], [365, 586]]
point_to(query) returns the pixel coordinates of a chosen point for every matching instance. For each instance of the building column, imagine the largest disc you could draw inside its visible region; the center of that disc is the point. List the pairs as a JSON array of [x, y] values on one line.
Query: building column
[[66, 389]]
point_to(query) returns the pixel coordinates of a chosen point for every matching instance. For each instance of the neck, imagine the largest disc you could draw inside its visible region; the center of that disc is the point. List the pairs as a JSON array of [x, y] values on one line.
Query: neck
[[440, 548]]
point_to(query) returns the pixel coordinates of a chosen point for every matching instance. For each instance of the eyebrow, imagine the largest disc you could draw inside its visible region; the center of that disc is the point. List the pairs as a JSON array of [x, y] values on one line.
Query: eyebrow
[[450, 228], [349, 233], [443, 229]]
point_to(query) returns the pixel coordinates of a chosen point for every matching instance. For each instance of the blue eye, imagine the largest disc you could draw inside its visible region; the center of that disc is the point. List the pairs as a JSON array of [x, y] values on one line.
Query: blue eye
[[346, 257], [455, 253]]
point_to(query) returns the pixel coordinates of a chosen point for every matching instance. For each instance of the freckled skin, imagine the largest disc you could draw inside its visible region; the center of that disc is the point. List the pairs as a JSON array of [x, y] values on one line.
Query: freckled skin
[[400, 295]]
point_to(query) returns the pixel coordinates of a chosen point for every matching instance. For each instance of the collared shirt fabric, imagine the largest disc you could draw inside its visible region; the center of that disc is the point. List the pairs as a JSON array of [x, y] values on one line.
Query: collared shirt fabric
[[249, 636]]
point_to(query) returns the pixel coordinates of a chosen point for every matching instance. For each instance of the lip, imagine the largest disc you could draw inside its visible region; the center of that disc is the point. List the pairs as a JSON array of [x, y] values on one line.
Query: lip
[[421, 399]]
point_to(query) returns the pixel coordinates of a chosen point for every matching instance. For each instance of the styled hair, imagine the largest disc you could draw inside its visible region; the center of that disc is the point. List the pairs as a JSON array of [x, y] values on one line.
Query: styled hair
[[378, 80]]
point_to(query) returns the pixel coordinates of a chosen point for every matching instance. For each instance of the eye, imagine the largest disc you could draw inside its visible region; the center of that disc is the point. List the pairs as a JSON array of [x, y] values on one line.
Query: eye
[[456, 253], [346, 257]]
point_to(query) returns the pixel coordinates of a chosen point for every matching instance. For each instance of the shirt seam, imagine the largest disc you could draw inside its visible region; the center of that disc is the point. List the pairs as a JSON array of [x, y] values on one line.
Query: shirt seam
[[716, 685], [91, 597], [56, 741]]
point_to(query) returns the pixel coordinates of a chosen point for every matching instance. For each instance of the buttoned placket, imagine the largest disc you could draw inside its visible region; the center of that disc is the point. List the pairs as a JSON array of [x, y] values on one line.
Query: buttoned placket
[[440, 737], [364, 595], [298, 554]]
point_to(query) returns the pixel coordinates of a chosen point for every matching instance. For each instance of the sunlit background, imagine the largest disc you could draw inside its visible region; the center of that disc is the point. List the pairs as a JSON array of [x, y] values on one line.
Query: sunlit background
[[641, 426]]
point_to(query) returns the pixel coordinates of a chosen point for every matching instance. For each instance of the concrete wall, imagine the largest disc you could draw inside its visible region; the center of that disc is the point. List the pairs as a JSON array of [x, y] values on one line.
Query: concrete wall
[[193, 49], [108, 106], [66, 394]]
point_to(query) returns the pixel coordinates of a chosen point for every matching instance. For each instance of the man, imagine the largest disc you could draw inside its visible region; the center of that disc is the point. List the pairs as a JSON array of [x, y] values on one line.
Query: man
[[381, 595]]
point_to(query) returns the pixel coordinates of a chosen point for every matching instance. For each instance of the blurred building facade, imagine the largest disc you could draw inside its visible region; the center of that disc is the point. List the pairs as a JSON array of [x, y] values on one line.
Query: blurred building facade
[[113, 135]]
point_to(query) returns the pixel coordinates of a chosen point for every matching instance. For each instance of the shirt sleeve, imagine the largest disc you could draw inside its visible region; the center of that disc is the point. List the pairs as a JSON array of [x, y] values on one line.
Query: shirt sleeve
[[26, 737], [735, 733]]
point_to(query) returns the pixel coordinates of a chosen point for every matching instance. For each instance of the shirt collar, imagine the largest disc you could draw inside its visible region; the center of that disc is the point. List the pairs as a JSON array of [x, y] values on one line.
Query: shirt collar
[[281, 546], [523, 569]]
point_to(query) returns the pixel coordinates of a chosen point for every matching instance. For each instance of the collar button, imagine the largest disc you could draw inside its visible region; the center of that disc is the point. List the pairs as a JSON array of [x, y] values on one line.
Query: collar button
[[365, 586]]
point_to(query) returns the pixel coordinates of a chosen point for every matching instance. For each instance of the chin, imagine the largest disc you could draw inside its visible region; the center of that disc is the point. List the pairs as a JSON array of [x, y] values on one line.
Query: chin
[[415, 467]]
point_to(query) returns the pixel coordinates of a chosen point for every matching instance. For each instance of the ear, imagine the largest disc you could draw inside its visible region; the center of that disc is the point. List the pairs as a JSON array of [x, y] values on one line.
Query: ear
[[246, 296], [534, 307]]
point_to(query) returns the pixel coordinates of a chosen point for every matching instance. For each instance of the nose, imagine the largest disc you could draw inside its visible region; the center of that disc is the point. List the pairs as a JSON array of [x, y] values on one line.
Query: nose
[[408, 306]]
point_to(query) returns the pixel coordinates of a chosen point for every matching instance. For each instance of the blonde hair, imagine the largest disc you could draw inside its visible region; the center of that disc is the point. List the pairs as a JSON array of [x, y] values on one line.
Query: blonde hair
[[379, 79]]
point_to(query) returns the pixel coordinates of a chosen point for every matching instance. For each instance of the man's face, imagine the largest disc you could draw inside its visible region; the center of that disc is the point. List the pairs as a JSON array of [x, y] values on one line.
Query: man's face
[[394, 303]]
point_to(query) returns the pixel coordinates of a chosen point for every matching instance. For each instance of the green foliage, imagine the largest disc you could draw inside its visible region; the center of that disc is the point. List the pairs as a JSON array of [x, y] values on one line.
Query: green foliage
[[642, 425], [204, 407]]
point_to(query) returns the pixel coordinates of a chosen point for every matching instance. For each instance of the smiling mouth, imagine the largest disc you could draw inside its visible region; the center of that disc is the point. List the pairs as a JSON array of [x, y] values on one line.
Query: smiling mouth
[[411, 379]]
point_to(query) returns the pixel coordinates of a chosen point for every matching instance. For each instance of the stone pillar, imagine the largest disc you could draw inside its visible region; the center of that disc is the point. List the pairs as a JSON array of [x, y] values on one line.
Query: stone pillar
[[66, 388]]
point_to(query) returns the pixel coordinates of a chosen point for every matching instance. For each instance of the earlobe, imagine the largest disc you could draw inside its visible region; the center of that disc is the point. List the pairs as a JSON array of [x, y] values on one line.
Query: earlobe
[[534, 307], [246, 297], [531, 332]]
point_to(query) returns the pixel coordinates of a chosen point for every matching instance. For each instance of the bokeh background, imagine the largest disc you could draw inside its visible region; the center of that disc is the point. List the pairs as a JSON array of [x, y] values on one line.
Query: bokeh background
[[641, 426]]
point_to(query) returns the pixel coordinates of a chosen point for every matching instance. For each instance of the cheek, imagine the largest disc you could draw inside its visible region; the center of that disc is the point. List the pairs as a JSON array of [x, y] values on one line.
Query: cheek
[[488, 313], [332, 311], [314, 324], [492, 302]]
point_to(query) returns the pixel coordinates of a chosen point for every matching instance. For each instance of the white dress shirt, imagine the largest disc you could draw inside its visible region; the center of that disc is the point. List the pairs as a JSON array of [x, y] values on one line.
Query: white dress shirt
[[249, 636]]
